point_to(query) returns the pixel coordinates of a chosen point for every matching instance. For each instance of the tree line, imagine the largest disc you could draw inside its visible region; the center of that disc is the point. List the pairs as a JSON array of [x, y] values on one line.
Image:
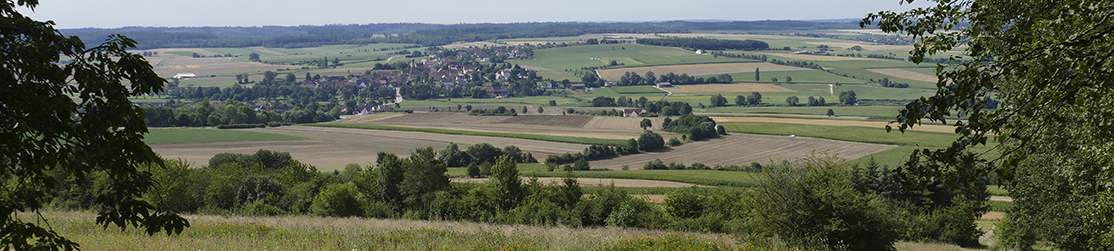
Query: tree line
[[706, 43]]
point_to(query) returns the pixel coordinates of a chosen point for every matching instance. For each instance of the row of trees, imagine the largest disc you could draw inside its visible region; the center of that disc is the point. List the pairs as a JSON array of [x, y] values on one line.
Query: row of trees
[[632, 78], [234, 113], [695, 127]]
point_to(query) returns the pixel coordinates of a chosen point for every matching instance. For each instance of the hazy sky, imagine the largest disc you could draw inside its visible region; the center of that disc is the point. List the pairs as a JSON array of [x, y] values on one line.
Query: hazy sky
[[119, 13]]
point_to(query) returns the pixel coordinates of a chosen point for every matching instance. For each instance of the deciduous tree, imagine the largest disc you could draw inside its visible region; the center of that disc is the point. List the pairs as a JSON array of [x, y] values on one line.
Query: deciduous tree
[[1051, 62], [74, 118]]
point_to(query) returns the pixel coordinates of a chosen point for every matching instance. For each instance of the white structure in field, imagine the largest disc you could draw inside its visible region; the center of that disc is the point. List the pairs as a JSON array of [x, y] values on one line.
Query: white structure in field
[[184, 75], [831, 89]]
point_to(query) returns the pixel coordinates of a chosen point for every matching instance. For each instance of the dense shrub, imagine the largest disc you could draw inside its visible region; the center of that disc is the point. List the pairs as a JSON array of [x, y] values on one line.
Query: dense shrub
[[650, 141], [339, 200], [814, 203]]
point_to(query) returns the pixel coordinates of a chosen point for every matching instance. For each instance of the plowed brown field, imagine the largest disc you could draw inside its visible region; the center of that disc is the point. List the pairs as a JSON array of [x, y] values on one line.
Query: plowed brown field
[[743, 149]]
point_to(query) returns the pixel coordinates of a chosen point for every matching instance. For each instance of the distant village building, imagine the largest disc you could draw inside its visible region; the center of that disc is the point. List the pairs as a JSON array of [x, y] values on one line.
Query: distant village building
[[632, 112], [664, 85]]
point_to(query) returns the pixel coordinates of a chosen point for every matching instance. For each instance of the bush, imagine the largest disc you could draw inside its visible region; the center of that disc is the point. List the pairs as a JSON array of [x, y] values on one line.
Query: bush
[[655, 165], [650, 141], [815, 203], [338, 200], [674, 141]]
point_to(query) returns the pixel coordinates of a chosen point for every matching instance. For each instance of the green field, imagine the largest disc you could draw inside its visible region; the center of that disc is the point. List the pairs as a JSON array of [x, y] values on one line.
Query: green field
[[162, 136], [558, 60], [576, 140]]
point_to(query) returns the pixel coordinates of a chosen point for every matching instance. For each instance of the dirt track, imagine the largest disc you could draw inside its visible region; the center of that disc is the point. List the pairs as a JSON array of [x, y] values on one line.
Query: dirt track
[[742, 149], [331, 148]]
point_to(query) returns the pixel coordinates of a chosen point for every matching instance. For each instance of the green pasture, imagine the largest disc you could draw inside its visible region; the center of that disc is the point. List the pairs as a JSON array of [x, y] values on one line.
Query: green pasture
[[808, 76], [575, 140], [162, 136], [575, 57]]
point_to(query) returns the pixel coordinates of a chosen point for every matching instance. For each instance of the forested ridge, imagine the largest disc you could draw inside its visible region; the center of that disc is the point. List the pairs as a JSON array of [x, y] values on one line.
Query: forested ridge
[[418, 33]]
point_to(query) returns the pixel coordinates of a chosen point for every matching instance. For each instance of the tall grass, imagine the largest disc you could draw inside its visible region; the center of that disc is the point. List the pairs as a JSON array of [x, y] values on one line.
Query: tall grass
[[312, 233]]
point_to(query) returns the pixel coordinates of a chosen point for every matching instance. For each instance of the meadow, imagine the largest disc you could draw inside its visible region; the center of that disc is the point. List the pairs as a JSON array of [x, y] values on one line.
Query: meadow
[[316, 233], [191, 135]]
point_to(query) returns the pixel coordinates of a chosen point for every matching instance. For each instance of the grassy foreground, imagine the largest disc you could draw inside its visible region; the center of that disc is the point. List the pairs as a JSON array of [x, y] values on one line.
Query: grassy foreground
[[161, 136], [315, 233], [562, 139]]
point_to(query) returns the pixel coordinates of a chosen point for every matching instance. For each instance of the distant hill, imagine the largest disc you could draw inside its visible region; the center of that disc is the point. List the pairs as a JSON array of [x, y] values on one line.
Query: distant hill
[[418, 33]]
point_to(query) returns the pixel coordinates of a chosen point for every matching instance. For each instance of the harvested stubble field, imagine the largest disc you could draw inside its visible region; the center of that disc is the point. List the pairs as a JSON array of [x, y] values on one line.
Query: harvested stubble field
[[697, 69], [720, 88], [205, 66], [835, 122], [744, 149], [906, 74], [591, 182], [563, 126], [331, 148]]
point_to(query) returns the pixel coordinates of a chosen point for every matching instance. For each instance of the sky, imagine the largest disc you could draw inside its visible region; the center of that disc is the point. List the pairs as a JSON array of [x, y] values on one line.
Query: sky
[[176, 13]]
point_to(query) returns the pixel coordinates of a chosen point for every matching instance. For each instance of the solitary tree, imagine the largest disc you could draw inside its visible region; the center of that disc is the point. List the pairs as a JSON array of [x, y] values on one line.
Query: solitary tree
[[254, 57], [540, 109], [72, 119], [645, 124], [757, 77]]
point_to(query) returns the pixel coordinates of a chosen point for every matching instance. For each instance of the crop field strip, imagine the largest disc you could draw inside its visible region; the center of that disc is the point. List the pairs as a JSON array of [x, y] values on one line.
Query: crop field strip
[[742, 150]]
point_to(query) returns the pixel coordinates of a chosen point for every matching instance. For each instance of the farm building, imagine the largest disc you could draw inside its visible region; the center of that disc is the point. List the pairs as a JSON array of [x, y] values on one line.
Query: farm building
[[632, 112], [664, 85]]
